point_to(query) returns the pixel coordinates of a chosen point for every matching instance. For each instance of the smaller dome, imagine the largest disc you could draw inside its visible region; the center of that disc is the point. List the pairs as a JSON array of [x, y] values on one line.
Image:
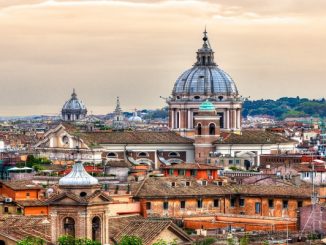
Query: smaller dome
[[207, 106], [74, 104], [78, 176], [135, 118]]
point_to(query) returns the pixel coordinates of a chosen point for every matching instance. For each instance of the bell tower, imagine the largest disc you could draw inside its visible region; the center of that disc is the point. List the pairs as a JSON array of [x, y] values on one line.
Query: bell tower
[[207, 131], [80, 208]]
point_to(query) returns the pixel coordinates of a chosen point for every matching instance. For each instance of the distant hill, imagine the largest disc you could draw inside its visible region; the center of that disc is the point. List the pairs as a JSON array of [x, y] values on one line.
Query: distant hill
[[285, 107], [280, 108]]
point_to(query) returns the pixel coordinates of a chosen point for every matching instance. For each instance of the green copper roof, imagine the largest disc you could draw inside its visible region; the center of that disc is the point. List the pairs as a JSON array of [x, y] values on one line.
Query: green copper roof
[[207, 106]]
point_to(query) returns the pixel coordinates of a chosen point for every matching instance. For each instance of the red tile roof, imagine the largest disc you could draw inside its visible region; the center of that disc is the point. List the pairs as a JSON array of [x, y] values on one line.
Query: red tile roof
[[22, 185], [190, 166], [253, 137]]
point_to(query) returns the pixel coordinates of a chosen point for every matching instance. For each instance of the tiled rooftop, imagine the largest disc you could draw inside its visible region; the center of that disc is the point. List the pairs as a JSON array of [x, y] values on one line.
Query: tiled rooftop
[[160, 187], [149, 230], [22, 185], [190, 166], [253, 137]]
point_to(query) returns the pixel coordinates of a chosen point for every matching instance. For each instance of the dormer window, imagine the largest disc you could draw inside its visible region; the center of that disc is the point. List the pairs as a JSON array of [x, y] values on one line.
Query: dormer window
[[174, 154], [142, 154], [173, 184], [112, 155], [202, 182]]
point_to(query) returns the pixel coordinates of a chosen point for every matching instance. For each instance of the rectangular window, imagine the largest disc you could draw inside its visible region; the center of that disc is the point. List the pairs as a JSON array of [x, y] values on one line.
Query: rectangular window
[[216, 203], [187, 183], [165, 205], [19, 210], [199, 203], [171, 171], [183, 204], [181, 172], [237, 161], [232, 202], [230, 161], [148, 206], [257, 207], [27, 194], [271, 203], [6, 210], [173, 184], [193, 172], [209, 172], [285, 204], [241, 202], [300, 204]]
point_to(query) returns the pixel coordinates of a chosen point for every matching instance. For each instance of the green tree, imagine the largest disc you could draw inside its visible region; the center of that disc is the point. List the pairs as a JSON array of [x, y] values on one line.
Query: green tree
[[206, 241], [230, 241], [130, 240], [69, 240], [31, 241], [163, 242], [244, 240]]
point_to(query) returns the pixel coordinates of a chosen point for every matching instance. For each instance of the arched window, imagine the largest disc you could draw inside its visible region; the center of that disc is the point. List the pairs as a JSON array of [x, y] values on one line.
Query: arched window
[[69, 226], [174, 154], [212, 129], [199, 129], [112, 155], [142, 154], [96, 229]]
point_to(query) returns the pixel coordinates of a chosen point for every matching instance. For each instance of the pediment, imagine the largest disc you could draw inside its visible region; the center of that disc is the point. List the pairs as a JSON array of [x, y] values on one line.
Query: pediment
[[65, 199], [99, 199]]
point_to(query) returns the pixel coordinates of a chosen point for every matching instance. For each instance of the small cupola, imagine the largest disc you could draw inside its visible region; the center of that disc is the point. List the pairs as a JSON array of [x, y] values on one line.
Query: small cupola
[[78, 177]]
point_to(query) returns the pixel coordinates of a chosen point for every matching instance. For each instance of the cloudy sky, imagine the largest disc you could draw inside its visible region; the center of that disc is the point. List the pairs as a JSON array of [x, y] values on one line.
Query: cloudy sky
[[136, 49]]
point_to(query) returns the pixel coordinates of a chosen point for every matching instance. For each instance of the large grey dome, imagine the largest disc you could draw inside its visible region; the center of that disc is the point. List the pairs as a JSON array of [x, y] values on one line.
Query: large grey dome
[[78, 176], [205, 77], [205, 80]]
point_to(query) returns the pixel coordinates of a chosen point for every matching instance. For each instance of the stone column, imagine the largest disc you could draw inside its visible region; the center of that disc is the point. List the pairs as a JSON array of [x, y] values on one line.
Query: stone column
[[234, 119], [239, 118], [189, 119], [227, 118]]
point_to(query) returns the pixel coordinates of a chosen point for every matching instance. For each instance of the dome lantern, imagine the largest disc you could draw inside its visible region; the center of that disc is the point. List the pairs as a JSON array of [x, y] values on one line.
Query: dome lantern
[[205, 55]]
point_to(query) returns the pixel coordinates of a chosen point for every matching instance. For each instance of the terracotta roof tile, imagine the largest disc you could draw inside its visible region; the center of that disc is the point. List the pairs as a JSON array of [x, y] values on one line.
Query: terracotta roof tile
[[22, 185], [190, 166], [135, 137], [253, 137], [149, 230], [18, 227], [161, 187]]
